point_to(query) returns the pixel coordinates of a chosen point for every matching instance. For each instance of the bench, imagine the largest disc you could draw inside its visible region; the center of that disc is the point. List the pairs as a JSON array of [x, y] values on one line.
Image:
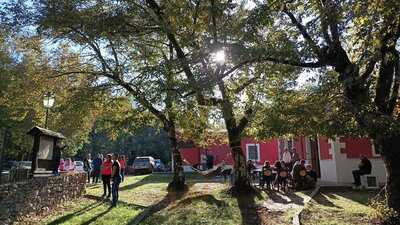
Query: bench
[[369, 181]]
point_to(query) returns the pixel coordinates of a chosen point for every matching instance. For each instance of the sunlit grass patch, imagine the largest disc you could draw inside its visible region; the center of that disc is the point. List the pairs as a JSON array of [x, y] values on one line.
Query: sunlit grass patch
[[338, 208]]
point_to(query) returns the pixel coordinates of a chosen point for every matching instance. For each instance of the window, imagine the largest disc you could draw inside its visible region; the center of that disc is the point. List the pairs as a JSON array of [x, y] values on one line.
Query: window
[[253, 152]]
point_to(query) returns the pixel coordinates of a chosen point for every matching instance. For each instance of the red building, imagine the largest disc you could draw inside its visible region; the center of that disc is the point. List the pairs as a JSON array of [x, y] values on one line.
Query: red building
[[333, 159]]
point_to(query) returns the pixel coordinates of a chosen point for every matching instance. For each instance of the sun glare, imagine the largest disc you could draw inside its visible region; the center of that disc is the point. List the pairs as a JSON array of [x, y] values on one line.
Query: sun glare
[[219, 57]]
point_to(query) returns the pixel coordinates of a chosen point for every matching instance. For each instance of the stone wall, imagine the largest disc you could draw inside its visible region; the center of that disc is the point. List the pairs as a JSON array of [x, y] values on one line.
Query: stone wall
[[38, 194]]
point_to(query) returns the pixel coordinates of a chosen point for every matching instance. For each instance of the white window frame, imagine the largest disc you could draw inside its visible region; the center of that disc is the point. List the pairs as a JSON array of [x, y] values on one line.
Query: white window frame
[[258, 151]]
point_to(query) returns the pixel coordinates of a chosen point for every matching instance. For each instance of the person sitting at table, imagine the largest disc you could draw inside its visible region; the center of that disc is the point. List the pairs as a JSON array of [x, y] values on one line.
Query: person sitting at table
[[250, 168], [266, 175], [298, 174], [281, 176], [311, 172]]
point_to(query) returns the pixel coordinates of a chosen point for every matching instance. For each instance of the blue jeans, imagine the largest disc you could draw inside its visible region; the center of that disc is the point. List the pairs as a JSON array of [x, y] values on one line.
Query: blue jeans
[[114, 190], [122, 174]]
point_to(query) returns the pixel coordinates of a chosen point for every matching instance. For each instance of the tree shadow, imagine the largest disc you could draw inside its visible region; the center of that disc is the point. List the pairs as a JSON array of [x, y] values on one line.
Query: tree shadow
[[104, 200], [324, 199], [207, 198], [76, 213], [162, 204], [191, 179], [360, 196], [286, 198], [249, 209], [96, 217]]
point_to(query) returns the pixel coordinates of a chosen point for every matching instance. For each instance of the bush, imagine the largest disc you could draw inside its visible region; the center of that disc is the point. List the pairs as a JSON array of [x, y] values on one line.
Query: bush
[[382, 213]]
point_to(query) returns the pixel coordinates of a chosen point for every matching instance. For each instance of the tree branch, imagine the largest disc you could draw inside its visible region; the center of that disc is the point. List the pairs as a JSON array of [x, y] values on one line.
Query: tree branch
[[303, 32]]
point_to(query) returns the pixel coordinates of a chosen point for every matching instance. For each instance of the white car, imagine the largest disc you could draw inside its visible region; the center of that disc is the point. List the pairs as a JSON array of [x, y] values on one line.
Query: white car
[[79, 166]]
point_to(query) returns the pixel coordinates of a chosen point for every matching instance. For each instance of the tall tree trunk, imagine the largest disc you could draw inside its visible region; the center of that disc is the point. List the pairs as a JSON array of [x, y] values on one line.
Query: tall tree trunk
[[240, 176], [178, 180], [390, 151]]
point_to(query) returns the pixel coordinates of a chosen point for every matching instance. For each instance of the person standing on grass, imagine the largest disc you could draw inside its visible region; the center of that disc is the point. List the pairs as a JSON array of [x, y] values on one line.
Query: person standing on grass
[[106, 171], [116, 178], [96, 167], [87, 166], [122, 164]]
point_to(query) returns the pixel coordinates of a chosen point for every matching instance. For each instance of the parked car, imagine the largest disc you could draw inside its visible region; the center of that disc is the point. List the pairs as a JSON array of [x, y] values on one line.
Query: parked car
[[9, 164], [23, 165], [79, 166], [159, 166], [144, 164]]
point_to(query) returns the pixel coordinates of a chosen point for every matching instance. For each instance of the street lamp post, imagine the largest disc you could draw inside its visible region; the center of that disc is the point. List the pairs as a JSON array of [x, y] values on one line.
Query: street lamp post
[[48, 102]]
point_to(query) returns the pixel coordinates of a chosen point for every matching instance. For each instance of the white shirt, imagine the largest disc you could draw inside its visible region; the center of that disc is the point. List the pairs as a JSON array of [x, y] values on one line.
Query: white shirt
[[286, 157]]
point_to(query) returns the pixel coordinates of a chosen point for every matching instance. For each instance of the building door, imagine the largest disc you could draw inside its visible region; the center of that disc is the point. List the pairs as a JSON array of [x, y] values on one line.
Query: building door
[[315, 156]]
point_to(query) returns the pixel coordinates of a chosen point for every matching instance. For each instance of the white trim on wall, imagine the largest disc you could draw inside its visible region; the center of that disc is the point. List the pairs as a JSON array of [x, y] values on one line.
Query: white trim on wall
[[258, 151]]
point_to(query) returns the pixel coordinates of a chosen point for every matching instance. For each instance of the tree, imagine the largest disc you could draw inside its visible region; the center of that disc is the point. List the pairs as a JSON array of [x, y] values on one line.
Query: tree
[[135, 44], [122, 51], [357, 40], [313, 109], [200, 31], [27, 74]]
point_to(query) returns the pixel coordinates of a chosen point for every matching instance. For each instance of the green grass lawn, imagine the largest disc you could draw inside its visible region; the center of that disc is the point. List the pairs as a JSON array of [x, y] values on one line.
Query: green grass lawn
[[206, 202], [346, 207]]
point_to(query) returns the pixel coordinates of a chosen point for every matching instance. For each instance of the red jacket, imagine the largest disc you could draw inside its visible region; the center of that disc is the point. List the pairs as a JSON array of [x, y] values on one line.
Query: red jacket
[[106, 168]]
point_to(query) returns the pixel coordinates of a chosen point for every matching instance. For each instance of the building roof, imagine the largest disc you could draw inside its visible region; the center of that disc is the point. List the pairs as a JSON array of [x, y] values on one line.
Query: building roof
[[39, 130]]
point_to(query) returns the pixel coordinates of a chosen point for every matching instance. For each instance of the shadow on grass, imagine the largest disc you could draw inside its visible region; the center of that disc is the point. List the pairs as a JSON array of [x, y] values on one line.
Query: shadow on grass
[[207, 198], [103, 200], [191, 179], [165, 202], [327, 197], [96, 217], [76, 213], [249, 209], [285, 198]]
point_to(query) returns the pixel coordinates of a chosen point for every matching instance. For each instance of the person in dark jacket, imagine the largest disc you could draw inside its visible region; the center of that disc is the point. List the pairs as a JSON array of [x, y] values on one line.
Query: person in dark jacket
[[116, 179], [97, 162], [311, 172], [364, 167], [250, 167], [87, 166], [266, 175]]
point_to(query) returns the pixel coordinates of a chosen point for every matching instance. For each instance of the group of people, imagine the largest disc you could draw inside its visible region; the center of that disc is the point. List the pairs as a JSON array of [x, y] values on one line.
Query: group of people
[[289, 168], [66, 165], [110, 168]]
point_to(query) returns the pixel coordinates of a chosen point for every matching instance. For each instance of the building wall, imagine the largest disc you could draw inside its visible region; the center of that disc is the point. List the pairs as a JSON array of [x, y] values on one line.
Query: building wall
[[348, 153], [345, 154], [338, 157], [300, 145], [268, 151]]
